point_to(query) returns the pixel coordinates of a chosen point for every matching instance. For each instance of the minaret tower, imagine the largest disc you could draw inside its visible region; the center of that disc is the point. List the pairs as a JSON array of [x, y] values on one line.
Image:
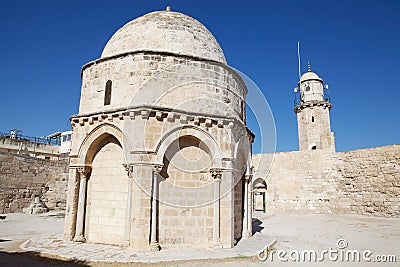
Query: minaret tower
[[312, 107]]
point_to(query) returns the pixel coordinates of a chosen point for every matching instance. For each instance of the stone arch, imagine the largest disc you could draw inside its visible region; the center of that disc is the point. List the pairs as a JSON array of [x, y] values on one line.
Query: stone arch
[[242, 155], [260, 183], [106, 191], [190, 131], [175, 149], [100, 135], [186, 194], [259, 194]]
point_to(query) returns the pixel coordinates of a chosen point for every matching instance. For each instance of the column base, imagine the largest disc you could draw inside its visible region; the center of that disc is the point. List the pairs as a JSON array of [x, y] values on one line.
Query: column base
[[246, 234], [216, 244], [79, 238], [126, 244], [154, 246]]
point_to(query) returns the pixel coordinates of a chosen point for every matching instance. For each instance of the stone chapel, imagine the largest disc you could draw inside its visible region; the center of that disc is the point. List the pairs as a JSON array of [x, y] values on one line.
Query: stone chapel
[[161, 155]]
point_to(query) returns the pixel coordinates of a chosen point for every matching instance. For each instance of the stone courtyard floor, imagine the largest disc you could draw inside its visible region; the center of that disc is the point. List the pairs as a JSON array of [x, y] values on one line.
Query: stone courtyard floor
[[36, 241]]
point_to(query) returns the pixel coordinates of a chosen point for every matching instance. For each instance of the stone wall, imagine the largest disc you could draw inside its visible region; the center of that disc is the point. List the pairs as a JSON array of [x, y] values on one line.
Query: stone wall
[[238, 212], [299, 181], [186, 195], [163, 80], [314, 128], [321, 181], [22, 176], [370, 181]]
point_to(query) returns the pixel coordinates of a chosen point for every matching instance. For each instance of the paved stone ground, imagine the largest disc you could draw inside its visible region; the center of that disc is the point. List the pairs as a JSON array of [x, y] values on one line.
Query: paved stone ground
[[53, 245], [300, 232]]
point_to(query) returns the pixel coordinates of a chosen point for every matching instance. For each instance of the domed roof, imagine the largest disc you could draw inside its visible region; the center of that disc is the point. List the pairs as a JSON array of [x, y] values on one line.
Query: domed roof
[[165, 31], [309, 75]]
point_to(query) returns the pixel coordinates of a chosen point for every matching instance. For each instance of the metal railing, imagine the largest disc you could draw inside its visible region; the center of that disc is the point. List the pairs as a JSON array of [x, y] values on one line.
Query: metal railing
[[298, 98], [56, 141]]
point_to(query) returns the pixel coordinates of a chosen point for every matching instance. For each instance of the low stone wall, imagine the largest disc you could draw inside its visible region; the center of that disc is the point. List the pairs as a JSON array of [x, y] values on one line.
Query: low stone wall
[[23, 176], [365, 181]]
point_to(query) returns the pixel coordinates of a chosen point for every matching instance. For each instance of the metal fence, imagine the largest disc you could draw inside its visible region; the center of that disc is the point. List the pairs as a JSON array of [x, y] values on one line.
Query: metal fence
[[56, 141]]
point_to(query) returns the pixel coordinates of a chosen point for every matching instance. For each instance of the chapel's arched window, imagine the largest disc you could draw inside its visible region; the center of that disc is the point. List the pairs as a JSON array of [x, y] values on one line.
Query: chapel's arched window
[[313, 147], [107, 93], [312, 118]]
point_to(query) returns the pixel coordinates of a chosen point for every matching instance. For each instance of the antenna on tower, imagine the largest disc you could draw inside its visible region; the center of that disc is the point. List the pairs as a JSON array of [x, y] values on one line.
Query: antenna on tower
[[298, 58]]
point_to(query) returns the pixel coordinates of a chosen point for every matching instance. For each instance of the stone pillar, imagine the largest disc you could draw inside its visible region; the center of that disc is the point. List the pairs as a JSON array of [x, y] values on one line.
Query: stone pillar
[[250, 206], [80, 217], [141, 206], [72, 203], [154, 246], [216, 174], [227, 203], [245, 229], [128, 216]]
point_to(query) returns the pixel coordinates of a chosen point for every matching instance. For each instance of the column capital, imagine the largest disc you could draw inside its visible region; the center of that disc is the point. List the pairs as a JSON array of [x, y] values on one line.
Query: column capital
[[250, 170], [248, 177], [129, 169], [216, 173], [158, 167], [83, 170]]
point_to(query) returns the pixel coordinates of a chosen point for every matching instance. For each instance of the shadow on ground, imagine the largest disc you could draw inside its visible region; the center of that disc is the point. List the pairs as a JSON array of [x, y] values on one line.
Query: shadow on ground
[[33, 259]]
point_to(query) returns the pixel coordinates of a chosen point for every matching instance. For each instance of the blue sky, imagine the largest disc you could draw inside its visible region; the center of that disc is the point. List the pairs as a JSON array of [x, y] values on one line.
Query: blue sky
[[352, 45]]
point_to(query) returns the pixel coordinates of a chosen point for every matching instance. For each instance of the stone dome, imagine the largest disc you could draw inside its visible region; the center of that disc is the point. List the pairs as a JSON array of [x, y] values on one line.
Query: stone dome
[[165, 31], [309, 75]]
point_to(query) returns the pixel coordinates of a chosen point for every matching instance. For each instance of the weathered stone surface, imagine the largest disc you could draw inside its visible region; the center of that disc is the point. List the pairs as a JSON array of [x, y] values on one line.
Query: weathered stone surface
[[370, 180], [313, 122], [165, 31], [163, 96], [24, 176], [362, 181]]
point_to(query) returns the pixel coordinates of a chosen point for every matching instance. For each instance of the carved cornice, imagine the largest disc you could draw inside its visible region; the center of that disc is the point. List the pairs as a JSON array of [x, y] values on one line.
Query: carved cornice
[[132, 113]]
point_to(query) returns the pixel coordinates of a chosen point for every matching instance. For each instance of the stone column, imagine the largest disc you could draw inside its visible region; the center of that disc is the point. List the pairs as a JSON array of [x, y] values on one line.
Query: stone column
[[141, 206], [80, 217], [250, 206], [128, 216], [245, 229], [216, 174], [154, 246], [72, 204]]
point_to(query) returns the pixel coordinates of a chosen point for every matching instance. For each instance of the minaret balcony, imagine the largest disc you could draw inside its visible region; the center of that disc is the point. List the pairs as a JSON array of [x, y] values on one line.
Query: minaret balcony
[[300, 105]]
